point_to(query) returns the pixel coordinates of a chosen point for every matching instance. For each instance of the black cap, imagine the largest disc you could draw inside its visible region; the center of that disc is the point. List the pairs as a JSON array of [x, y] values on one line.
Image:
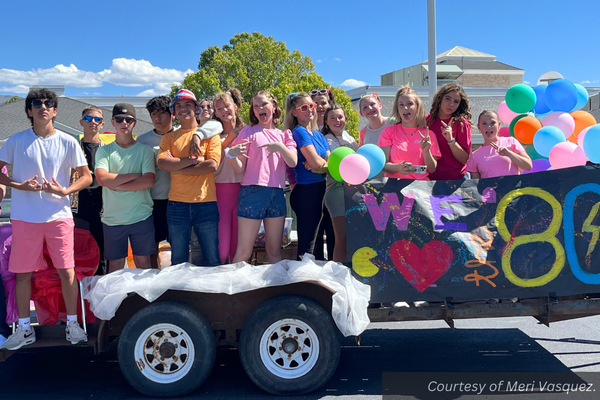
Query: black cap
[[123, 109]]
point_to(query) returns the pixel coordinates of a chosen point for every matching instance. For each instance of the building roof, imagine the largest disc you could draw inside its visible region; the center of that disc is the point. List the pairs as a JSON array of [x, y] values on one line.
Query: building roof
[[463, 52], [13, 118], [467, 64]]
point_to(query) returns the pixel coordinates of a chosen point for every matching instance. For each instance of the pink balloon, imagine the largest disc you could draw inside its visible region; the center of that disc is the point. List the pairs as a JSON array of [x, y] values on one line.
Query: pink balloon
[[562, 120], [565, 155], [581, 136], [355, 169], [505, 114], [504, 131]]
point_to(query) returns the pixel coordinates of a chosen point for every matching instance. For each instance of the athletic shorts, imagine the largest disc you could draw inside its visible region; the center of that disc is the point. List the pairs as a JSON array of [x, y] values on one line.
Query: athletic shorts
[[118, 237]]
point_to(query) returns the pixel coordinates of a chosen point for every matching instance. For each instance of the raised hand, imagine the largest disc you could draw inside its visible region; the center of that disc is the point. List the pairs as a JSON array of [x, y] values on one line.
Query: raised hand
[[53, 187], [240, 149], [503, 151], [272, 147], [195, 147], [425, 140], [447, 130], [31, 185]]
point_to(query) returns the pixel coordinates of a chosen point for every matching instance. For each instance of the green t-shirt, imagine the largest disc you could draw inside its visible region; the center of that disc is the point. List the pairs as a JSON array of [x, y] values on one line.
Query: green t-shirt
[[125, 207]]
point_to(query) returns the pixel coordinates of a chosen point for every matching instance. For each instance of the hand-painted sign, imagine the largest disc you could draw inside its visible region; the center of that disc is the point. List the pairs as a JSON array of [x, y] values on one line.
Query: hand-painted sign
[[515, 236]]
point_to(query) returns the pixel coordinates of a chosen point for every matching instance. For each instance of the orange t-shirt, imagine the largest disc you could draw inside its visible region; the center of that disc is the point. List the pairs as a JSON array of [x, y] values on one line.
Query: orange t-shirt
[[191, 188]]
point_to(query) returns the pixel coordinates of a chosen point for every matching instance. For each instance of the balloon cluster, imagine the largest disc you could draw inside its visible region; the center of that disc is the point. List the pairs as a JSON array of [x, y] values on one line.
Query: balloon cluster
[[346, 165], [549, 122]]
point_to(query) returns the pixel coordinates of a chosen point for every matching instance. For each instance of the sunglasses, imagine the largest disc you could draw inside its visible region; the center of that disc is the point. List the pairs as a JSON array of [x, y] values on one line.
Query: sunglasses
[[306, 107], [319, 91], [89, 118], [208, 107], [47, 103], [119, 120]]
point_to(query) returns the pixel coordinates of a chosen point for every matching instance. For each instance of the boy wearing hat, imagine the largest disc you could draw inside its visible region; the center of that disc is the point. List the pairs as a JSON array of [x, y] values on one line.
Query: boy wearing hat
[[42, 158], [192, 196], [125, 170]]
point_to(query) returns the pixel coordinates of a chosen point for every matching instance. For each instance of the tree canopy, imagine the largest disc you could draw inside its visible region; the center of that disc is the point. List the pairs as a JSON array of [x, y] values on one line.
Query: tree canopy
[[254, 62], [13, 99]]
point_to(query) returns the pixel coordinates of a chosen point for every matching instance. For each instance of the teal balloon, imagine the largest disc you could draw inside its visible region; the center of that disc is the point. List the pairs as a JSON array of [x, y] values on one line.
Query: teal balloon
[[546, 138], [582, 97], [591, 144], [561, 95], [516, 119], [540, 104], [334, 160], [534, 155], [520, 98], [375, 156]]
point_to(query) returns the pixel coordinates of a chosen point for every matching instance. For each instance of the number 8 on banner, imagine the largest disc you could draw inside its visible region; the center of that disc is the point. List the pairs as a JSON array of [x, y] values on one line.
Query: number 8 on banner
[[548, 236]]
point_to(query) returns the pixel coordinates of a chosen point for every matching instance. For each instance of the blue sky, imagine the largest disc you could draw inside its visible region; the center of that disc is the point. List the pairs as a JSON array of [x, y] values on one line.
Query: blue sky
[[110, 47]]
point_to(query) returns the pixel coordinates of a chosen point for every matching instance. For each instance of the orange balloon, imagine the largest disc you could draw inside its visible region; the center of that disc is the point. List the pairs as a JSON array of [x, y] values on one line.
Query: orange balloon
[[583, 119], [526, 128]]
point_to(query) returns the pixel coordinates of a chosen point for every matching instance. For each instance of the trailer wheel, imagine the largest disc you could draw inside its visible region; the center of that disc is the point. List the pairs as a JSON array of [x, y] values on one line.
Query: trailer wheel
[[290, 345], [166, 349]]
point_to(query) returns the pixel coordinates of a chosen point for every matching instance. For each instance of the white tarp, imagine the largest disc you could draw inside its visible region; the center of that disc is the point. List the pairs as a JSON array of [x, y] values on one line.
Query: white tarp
[[350, 300]]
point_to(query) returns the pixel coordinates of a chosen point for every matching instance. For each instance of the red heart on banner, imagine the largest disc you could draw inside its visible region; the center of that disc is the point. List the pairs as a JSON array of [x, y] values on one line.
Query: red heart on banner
[[421, 267]]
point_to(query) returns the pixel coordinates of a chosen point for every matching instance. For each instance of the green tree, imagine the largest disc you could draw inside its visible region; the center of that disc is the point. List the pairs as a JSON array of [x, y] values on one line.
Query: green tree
[[254, 62], [13, 99]]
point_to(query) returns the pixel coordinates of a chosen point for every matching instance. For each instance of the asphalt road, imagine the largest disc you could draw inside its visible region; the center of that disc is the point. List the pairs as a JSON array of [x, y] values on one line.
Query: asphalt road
[[501, 344]]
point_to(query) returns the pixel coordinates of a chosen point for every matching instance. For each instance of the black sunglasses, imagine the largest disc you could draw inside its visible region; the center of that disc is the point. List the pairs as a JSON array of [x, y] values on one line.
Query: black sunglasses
[[48, 103], [89, 118], [120, 120]]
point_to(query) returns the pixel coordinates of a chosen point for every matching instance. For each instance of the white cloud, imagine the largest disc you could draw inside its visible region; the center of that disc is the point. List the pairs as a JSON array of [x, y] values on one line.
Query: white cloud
[[586, 82], [158, 90], [353, 83], [122, 72], [526, 82], [337, 59], [319, 61]]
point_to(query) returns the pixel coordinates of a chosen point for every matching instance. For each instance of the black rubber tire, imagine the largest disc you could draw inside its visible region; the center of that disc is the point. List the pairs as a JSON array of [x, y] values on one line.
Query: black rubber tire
[[308, 312], [192, 323]]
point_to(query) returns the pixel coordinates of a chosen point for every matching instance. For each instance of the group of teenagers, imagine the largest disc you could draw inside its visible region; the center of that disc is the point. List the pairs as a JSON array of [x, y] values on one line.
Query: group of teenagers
[[209, 184]]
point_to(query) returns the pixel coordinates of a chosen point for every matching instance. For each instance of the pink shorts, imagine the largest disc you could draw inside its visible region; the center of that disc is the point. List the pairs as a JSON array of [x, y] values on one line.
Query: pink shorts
[[30, 239]]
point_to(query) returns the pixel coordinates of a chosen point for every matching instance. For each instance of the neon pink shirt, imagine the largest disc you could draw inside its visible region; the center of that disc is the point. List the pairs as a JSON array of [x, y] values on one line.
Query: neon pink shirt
[[260, 169], [448, 167], [489, 163], [406, 147]]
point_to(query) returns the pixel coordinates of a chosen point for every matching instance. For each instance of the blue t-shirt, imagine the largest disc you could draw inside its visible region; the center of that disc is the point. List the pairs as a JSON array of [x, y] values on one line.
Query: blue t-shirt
[[304, 138]]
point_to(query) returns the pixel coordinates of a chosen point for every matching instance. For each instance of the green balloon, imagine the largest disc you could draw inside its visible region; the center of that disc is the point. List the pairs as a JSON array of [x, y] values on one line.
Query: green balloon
[[335, 158], [534, 155], [513, 123], [520, 98]]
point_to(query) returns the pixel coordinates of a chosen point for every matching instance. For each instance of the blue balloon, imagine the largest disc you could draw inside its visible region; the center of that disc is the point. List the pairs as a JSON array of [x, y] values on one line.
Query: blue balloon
[[375, 156], [591, 144], [561, 95], [546, 138], [582, 97], [540, 105]]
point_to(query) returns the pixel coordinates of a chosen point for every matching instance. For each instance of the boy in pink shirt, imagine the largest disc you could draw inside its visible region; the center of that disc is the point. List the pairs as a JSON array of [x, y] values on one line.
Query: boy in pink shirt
[[499, 156]]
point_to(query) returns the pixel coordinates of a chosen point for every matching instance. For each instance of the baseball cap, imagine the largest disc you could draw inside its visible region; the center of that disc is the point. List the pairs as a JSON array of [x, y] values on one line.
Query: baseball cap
[[123, 109], [183, 94]]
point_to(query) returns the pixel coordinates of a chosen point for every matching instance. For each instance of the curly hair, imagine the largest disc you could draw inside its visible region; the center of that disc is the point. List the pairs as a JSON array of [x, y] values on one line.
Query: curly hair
[[159, 103], [39, 94], [276, 108], [231, 96], [462, 113], [326, 129], [290, 121], [408, 91]]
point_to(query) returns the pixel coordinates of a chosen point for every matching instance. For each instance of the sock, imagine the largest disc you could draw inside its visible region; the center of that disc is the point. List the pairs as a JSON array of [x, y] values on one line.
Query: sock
[[25, 323], [71, 318]]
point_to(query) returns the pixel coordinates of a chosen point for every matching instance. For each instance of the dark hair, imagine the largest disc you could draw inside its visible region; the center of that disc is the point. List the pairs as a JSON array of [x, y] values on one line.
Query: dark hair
[[232, 95], [463, 112], [39, 94], [326, 128], [159, 103], [276, 108]]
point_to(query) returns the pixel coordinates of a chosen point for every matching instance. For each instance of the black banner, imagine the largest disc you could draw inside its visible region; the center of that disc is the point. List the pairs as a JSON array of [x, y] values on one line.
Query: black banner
[[515, 236]]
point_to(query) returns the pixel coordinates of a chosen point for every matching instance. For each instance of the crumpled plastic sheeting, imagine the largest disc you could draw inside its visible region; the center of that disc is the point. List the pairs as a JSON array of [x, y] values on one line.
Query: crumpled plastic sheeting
[[350, 300]]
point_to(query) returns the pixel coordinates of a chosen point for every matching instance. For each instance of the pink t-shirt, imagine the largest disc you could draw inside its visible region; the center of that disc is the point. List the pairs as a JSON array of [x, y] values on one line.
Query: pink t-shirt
[[406, 147], [448, 167], [489, 163], [260, 169]]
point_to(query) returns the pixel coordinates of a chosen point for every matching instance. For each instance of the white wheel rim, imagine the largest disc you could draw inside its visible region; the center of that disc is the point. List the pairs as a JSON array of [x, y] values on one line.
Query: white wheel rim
[[289, 348], [164, 353]]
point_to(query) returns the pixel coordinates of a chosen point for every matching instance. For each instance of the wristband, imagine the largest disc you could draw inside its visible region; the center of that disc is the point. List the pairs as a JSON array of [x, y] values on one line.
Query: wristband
[[452, 141], [194, 160], [226, 151]]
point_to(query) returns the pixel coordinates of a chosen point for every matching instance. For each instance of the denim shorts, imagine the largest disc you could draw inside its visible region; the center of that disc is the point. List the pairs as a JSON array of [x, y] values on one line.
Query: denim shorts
[[259, 202]]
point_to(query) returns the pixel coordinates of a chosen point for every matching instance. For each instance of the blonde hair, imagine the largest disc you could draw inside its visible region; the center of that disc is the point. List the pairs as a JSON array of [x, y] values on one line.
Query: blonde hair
[[290, 121], [231, 96], [408, 91], [276, 108], [91, 108]]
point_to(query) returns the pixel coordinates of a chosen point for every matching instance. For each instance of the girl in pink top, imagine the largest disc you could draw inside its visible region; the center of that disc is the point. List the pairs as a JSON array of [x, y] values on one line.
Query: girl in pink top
[[410, 151], [261, 151], [498, 156], [227, 181], [450, 122]]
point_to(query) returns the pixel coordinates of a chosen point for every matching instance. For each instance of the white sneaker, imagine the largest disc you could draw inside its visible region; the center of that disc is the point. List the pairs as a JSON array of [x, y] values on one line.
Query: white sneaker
[[74, 333], [19, 339]]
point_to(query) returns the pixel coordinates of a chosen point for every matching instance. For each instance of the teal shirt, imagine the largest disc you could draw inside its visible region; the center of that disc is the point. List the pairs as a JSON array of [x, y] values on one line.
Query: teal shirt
[[125, 207]]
